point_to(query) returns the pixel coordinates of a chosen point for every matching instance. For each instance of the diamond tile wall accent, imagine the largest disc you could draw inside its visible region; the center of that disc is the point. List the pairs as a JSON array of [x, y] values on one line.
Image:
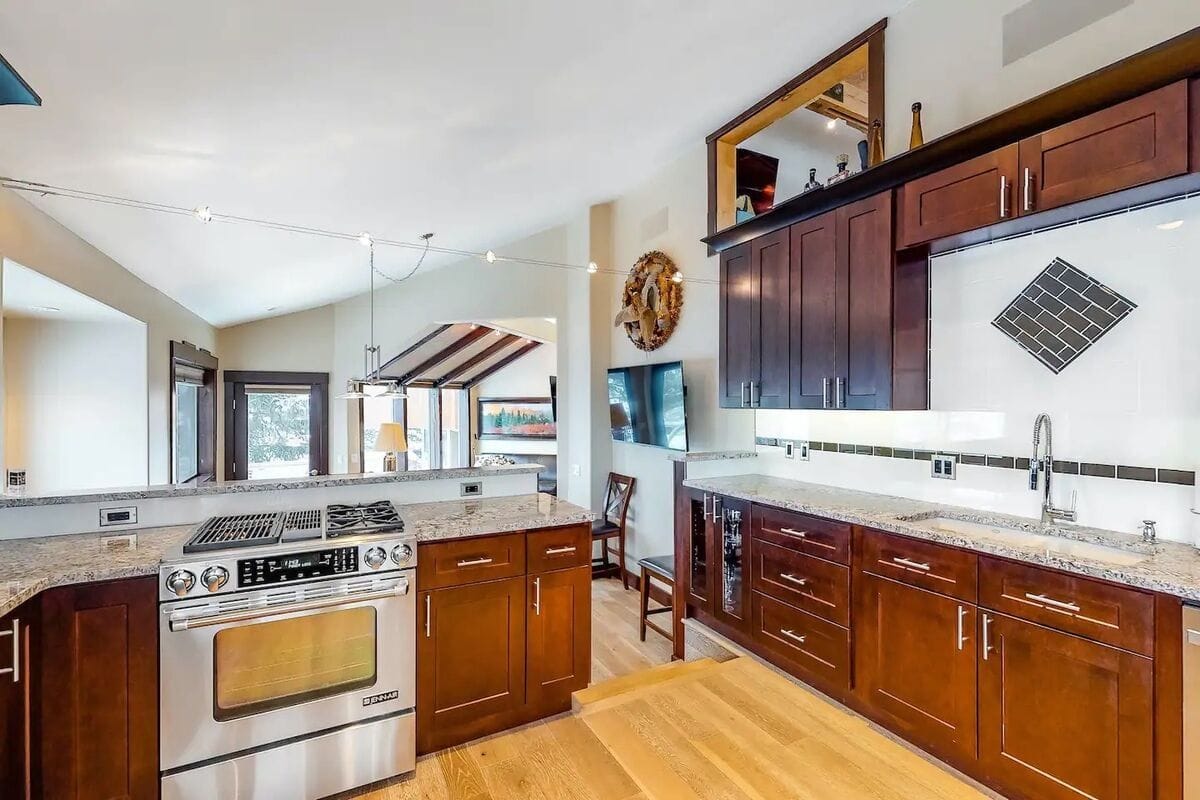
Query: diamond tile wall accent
[[1061, 313]]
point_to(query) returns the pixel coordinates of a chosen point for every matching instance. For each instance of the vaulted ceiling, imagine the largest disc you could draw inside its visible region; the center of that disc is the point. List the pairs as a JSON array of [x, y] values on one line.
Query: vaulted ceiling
[[482, 121]]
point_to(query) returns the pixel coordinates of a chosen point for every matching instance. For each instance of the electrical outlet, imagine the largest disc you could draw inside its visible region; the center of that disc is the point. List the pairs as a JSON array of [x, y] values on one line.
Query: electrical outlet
[[470, 489], [122, 515], [789, 449], [943, 466], [802, 451]]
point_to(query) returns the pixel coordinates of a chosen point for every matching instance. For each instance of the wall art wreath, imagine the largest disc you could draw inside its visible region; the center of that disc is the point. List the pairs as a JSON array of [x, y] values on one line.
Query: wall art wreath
[[651, 301]]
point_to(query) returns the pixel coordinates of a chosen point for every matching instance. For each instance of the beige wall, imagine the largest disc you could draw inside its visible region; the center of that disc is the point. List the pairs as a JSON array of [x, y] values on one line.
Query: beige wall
[[36, 241]]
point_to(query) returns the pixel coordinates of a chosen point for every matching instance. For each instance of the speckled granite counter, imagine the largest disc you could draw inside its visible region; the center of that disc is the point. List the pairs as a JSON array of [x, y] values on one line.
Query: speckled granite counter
[[712, 455], [267, 485], [1168, 567], [29, 566]]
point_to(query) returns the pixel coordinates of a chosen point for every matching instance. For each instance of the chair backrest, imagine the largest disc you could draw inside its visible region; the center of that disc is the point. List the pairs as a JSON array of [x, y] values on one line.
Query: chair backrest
[[616, 498]]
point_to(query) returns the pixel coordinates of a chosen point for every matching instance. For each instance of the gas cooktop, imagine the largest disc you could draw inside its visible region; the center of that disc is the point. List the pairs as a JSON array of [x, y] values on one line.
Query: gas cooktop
[[365, 518], [256, 530]]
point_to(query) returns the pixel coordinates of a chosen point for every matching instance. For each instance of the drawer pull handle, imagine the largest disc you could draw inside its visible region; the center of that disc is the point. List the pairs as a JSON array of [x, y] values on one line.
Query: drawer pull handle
[[476, 562], [962, 612], [787, 576], [537, 595], [904, 562], [793, 635], [1050, 601], [794, 532], [427, 613], [558, 551]]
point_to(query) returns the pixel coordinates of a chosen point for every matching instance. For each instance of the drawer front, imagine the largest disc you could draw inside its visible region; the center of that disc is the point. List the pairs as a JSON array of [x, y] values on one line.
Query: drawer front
[[811, 584], [463, 561], [812, 535], [945, 570], [1099, 611], [559, 548], [810, 646]]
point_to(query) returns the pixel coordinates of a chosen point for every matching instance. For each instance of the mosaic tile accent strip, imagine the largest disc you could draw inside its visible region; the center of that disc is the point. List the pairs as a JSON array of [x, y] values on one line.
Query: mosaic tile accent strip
[[1125, 472], [1061, 313]]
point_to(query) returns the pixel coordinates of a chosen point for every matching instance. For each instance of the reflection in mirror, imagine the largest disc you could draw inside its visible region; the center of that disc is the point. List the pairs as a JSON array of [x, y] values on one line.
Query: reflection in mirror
[[74, 395]]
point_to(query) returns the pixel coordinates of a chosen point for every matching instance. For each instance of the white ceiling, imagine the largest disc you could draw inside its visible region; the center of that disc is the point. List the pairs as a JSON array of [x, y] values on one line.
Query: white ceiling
[[26, 293], [482, 121]]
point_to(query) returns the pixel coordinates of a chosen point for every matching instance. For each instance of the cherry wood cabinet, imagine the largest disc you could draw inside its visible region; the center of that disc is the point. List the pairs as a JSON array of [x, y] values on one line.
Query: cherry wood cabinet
[[1063, 718], [809, 647], [813, 312], [915, 663], [731, 561], [492, 654], [559, 657], [1139, 141], [16, 703], [974, 194], [699, 547], [97, 692], [755, 363]]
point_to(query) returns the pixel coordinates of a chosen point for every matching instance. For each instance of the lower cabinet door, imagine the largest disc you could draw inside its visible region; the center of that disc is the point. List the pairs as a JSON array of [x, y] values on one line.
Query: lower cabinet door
[[470, 660], [559, 658], [1062, 717], [98, 691], [15, 704], [915, 663]]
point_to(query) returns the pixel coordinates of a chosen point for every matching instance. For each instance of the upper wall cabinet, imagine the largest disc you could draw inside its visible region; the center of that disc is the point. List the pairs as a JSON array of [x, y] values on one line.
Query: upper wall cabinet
[[754, 363], [1130, 144]]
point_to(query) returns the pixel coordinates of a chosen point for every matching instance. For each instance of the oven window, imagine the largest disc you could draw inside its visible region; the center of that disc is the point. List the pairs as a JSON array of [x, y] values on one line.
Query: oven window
[[286, 662]]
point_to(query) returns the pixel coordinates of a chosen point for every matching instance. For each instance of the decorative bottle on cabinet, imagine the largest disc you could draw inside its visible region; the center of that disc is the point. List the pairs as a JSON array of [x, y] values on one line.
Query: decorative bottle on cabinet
[[917, 137], [876, 156]]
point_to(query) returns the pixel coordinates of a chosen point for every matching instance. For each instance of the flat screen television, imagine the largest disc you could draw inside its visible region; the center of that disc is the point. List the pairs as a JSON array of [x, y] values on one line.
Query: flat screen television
[[646, 405]]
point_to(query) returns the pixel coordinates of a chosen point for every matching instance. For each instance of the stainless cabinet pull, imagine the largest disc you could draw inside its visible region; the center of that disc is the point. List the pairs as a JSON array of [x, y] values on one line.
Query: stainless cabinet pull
[[793, 635], [794, 532], [15, 669], [1049, 601], [841, 392], [537, 596], [427, 613], [706, 506], [558, 551], [755, 403], [477, 562], [962, 612], [824, 392], [1027, 191], [787, 576], [742, 395], [714, 509], [1003, 196], [987, 639], [904, 562]]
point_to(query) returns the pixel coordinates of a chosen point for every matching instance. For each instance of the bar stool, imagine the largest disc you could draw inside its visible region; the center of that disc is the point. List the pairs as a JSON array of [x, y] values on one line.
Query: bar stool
[[662, 569]]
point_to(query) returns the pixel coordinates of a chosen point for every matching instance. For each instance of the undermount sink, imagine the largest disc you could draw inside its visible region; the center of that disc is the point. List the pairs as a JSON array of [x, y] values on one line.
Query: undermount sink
[[1023, 538]]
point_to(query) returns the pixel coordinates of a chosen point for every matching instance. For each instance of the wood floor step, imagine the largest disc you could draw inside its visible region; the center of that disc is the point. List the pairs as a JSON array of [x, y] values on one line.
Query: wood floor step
[[643, 679]]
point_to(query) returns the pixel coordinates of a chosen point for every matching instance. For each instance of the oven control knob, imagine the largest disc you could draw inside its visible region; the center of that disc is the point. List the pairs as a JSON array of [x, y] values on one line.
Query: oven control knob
[[375, 557], [180, 582], [401, 554], [214, 578]]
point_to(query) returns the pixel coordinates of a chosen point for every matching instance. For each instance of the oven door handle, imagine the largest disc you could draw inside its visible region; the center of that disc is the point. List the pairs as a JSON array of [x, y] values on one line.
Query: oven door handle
[[182, 622]]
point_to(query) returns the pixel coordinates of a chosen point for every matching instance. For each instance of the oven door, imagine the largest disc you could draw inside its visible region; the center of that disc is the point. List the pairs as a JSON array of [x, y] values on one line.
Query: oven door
[[262, 667]]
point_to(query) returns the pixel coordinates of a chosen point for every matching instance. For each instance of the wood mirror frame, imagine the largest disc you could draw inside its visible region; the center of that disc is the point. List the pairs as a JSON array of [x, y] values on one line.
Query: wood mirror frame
[[864, 51]]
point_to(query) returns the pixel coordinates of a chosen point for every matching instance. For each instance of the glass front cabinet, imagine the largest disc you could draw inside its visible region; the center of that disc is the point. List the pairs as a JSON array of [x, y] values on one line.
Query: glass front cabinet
[[718, 557]]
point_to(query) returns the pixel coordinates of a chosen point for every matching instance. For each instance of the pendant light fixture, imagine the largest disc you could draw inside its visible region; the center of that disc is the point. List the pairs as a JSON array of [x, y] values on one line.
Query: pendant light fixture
[[371, 384]]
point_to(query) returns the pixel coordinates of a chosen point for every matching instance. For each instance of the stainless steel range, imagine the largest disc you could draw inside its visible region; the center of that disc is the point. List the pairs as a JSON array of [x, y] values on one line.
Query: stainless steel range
[[287, 655]]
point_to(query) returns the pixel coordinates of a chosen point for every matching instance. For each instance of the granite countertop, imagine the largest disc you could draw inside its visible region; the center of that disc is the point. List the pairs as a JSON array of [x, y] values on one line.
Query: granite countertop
[[29, 566], [713, 455], [1168, 567], [267, 485]]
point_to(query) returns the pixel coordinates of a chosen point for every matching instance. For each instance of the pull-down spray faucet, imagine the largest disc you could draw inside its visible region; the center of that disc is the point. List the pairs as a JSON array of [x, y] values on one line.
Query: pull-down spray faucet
[[1045, 464]]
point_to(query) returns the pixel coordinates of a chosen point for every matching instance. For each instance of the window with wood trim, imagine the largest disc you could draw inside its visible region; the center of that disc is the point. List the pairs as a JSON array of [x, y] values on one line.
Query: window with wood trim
[[193, 414]]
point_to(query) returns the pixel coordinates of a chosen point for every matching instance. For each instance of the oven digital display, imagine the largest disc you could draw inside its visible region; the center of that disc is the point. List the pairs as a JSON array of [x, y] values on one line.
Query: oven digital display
[[298, 566]]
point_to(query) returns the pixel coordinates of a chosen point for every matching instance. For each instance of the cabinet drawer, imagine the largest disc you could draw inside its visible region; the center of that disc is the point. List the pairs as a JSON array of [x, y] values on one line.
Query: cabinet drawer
[[559, 548], [463, 561], [804, 534], [811, 646], [1099, 611], [812, 584], [931, 566]]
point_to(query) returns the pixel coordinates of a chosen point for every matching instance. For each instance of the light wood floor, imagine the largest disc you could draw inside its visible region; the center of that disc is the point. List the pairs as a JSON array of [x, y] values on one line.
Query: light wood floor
[[696, 730]]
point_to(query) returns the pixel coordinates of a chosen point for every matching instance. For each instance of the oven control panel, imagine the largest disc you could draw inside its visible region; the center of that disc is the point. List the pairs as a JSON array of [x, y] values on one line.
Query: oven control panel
[[288, 567]]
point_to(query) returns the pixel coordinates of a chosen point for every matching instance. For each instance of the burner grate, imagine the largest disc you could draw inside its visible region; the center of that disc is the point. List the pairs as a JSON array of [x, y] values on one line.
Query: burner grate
[[241, 530], [378, 517], [302, 520]]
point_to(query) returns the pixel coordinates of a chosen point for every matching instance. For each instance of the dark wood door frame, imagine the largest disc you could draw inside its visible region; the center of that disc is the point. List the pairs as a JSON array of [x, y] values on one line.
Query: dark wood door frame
[[188, 355], [235, 409]]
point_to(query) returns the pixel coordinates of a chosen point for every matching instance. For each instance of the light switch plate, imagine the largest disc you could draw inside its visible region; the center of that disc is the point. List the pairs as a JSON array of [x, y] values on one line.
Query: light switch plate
[[943, 466]]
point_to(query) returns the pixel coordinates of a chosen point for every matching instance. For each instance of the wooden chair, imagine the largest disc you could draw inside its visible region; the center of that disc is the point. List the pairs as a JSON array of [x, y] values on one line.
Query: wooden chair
[[611, 525], [661, 568]]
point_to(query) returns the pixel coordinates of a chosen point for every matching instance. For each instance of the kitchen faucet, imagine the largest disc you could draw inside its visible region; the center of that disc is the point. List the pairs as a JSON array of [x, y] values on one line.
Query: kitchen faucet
[[1046, 464]]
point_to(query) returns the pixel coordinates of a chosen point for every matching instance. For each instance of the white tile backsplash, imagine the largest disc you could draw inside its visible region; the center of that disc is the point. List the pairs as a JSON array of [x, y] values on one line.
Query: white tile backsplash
[[1132, 398]]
